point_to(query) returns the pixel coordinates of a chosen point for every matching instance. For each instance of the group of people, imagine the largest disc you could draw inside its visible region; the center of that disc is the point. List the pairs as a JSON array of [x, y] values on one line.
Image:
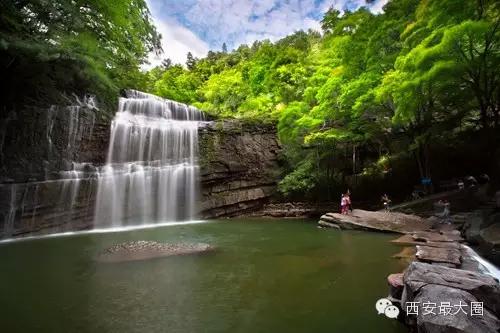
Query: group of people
[[346, 203]]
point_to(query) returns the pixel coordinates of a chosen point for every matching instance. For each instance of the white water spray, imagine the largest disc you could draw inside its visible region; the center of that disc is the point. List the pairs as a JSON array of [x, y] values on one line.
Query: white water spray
[[484, 266], [151, 169]]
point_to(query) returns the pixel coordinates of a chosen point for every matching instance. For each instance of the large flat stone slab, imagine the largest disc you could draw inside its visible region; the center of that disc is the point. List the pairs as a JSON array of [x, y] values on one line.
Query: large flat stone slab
[[377, 221], [438, 255], [432, 236], [408, 239]]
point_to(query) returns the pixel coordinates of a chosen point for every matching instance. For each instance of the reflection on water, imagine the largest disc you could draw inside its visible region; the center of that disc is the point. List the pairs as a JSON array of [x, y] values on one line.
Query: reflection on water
[[266, 276]]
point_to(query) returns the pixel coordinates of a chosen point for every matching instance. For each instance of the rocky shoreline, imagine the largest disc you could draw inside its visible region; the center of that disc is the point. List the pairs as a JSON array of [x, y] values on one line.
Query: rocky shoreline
[[442, 272]]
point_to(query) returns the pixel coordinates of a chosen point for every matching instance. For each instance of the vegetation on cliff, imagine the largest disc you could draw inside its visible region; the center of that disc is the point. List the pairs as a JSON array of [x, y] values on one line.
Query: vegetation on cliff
[[365, 98], [374, 100]]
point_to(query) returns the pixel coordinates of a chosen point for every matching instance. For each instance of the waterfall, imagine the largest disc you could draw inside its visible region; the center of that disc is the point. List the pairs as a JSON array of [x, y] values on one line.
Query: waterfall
[[483, 265], [51, 198], [151, 170]]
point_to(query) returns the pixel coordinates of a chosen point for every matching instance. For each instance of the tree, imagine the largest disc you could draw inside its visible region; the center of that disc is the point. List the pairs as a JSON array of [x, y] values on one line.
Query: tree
[[224, 48], [166, 63], [178, 84], [372, 92], [330, 20], [67, 46], [190, 61]]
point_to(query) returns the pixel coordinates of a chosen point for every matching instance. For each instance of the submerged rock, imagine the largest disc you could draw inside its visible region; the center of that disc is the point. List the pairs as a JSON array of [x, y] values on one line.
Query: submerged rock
[[142, 250], [396, 285]]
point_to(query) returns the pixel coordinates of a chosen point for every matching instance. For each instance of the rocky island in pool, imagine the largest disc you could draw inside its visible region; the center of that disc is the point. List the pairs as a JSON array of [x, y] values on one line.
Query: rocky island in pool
[[144, 250]]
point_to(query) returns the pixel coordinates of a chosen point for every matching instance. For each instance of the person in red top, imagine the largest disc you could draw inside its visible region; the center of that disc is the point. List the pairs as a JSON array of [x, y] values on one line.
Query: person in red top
[[345, 203]]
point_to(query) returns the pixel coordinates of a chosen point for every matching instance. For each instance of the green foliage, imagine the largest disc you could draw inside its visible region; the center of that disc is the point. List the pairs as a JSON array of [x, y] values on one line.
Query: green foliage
[[177, 84], [372, 89], [300, 181], [420, 72], [74, 46]]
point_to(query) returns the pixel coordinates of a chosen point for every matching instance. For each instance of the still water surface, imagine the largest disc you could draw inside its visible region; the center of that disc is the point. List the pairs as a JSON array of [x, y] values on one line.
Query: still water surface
[[266, 276]]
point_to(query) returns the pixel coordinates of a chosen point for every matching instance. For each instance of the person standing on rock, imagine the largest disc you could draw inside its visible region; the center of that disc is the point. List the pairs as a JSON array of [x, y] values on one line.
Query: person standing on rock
[[344, 204], [446, 212], [349, 202], [386, 201]]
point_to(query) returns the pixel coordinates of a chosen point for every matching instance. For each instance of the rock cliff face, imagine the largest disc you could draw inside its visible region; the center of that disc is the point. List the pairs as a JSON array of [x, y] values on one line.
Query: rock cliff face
[[38, 143], [49, 157], [47, 167], [239, 167]]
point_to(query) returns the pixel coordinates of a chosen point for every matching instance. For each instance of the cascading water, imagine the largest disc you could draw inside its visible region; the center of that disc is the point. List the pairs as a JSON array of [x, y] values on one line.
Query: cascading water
[[151, 170], [55, 198]]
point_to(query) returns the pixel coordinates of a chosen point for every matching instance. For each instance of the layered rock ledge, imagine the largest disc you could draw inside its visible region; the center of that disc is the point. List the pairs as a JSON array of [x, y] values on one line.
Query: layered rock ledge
[[143, 250], [239, 167], [433, 284], [239, 170], [441, 269]]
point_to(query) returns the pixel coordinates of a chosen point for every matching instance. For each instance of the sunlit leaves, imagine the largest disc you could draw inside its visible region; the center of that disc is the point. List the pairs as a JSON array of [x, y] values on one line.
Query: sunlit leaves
[[99, 45], [419, 71]]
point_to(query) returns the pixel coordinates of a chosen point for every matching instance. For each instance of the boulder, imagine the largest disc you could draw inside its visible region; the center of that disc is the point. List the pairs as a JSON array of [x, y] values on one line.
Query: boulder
[[396, 285], [489, 242], [483, 287], [143, 250], [491, 236], [492, 218], [472, 227], [429, 318]]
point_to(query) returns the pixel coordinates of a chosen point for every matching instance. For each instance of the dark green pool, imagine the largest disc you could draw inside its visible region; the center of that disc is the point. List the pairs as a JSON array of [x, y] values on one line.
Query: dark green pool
[[267, 276]]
